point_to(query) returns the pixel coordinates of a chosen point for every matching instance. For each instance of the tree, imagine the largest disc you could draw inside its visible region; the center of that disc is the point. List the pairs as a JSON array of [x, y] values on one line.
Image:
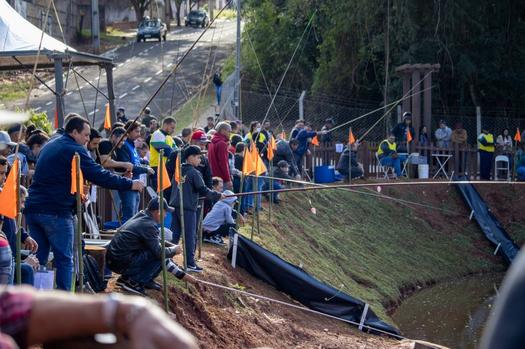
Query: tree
[[140, 6], [178, 4]]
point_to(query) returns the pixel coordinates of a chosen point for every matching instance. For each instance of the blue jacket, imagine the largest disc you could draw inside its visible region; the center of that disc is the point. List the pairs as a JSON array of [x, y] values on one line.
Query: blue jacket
[[50, 191], [128, 153], [302, 137]]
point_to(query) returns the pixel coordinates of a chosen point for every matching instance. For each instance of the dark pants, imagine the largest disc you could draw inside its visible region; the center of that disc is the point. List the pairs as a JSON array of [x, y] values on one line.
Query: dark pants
[[142, 268], [485, 164], [276, 186], [223, 230], [190, 236], [355, 172]]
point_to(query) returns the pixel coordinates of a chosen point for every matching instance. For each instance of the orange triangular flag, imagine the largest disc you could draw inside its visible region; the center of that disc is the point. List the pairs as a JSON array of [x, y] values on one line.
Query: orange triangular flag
[[107, 118], [315, 141], [409, 136], [272, 147], [74, 176], [56, 119], [517, 136], [351, 138], [178, 175], [260, 167], [165, 183], [248, 163], [8, 196]]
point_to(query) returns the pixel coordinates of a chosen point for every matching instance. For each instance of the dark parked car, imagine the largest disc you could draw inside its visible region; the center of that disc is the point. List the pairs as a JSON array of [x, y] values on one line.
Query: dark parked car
[[197, 18], [152, 29]]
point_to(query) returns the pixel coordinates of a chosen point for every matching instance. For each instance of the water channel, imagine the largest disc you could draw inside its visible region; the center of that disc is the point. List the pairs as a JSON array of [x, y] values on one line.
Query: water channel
[[452, 314]]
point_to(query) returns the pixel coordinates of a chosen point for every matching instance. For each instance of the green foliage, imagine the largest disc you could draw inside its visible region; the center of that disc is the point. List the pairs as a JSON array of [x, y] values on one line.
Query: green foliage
[[479, 44], [41, 121]]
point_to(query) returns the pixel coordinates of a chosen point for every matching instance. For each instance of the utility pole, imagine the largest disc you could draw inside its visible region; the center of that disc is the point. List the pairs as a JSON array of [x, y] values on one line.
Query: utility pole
[[237, 89], [95, 26], [210, 7]]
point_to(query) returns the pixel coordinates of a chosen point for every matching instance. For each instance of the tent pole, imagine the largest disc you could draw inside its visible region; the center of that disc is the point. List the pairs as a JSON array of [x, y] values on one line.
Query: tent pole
[[111, 93], [59, 86]]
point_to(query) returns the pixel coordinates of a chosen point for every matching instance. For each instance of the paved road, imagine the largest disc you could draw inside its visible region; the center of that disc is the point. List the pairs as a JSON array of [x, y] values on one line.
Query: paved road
[[140, 68]]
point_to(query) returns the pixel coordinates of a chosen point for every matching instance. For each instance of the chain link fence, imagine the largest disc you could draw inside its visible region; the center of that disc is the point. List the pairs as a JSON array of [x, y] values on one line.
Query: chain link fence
[[256, 100]]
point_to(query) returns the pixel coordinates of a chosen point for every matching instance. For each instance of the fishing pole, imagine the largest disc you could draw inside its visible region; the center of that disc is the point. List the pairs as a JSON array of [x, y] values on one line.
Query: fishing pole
[[365, 185]]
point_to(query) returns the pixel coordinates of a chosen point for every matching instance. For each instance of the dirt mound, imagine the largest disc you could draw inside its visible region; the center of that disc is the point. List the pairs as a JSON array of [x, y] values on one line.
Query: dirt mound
[[225, 319]]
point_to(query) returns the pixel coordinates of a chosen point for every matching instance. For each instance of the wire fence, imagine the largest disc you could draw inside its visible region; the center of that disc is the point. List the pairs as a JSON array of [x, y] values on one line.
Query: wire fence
[[256, 100]]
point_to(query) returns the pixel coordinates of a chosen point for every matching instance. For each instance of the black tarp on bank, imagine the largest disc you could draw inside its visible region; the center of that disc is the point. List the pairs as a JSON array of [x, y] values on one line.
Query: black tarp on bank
[[489, 224], [303, 287]]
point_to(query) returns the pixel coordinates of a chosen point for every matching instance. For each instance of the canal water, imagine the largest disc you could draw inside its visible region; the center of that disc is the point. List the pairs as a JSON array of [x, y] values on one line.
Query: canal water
[[452, 314]]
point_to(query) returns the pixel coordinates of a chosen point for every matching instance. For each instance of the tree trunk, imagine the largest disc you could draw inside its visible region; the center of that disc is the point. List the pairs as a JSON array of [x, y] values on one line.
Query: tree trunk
[[178, 4], [138, 13]]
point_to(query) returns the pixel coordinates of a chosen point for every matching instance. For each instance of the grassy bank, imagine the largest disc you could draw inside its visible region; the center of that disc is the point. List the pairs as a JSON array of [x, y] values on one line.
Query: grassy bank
[[192, 110], [376, 249]]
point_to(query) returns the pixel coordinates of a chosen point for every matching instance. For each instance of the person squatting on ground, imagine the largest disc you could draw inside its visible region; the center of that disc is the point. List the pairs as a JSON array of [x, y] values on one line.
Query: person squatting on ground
[[135, 251], [346, 163], [193, 187], [220, 219]]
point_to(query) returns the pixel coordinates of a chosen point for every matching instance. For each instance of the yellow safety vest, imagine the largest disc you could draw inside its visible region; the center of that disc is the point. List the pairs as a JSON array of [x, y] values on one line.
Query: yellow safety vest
[[154, 154], [490, 139], [262, 137], [391, 146]]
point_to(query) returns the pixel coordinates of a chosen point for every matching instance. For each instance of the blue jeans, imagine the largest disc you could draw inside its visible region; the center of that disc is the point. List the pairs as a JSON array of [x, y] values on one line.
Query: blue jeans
[[6, 265], [395, 163], [190, 235], [129, 203], [276, 186], [57, 233], [28, 274], [218, 92], [248, 200]]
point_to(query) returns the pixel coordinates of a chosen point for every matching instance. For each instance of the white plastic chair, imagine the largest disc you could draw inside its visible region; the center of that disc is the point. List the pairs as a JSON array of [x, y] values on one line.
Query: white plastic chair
[[386, 170], [501, 163]]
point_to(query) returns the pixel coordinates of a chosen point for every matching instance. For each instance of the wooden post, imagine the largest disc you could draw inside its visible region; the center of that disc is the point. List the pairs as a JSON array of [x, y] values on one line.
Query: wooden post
[[254, 185], [80, 189], [270, 164], [19, 224], [201, 216], [181, 201], [162, 232], [239, 204]]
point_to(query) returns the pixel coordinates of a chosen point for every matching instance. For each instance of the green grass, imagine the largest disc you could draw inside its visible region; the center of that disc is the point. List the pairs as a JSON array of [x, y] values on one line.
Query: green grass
[[193, 109], [374, 248], [11, 91]]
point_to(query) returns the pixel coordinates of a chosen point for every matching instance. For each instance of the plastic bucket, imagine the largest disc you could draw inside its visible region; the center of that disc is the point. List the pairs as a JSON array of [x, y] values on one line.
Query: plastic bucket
[[324, 174], [422, 171]]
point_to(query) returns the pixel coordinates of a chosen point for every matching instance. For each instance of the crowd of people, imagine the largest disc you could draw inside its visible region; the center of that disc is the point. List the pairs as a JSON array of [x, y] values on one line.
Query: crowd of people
[[212, 172], [393, 150]]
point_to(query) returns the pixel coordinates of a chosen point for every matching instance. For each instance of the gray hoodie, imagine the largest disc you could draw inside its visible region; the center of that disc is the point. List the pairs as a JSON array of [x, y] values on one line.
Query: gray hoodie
[[221, 213]]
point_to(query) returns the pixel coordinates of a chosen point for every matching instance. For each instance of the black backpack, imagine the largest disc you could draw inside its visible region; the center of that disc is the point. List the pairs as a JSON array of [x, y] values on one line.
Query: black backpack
[[92, 275]]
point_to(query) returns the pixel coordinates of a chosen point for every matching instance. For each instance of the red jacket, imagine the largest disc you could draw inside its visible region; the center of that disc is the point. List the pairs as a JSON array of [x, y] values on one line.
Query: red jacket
[[218, 157]]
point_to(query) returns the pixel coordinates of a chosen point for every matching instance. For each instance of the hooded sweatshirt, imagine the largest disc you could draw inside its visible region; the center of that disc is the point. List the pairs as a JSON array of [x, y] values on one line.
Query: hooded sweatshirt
[[218, 157], [220, 214]]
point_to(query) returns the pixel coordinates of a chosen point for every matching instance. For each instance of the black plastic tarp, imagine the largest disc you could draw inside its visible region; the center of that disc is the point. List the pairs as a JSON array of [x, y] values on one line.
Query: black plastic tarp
[[303, 287], [488, 223]]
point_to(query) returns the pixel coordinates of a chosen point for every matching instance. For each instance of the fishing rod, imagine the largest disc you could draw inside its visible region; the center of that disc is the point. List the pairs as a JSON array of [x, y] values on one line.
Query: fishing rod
[[172, 72], [365, 185], [371, 193]]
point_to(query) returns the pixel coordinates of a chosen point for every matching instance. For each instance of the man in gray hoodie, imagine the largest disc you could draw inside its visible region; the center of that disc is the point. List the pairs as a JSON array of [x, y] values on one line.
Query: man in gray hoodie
[[220, 219]]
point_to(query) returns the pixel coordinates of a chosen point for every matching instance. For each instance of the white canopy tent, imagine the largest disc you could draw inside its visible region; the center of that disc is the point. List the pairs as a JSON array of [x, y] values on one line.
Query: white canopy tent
[[22, 44]]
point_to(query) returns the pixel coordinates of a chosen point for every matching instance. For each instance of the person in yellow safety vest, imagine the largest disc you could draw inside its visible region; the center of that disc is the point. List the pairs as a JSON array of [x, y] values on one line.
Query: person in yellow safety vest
[[387, 154], [486, 154], [161, 139]]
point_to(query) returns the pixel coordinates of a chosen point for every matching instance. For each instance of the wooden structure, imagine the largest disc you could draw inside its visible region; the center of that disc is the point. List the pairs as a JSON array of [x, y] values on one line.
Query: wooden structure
[[417, 78]]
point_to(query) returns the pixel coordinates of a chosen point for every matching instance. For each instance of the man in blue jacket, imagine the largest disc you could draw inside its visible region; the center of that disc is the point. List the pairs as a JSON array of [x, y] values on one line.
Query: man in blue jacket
[[130, 199], [50, 206]]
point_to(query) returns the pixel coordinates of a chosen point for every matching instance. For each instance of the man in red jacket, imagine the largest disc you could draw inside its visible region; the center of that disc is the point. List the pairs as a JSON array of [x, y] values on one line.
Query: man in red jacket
[[218, 154]]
